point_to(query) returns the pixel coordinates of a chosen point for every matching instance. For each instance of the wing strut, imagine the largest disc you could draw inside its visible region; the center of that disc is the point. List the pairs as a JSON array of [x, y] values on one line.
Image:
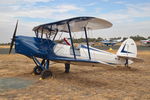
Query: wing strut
[[37, 32], [55, 35], [42, 32], [71, 40], [50, 31], [86, 37]]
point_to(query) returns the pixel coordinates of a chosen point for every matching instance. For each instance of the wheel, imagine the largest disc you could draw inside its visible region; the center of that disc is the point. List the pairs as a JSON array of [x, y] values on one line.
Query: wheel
[[45, 74], [67, 68], [37, 70]]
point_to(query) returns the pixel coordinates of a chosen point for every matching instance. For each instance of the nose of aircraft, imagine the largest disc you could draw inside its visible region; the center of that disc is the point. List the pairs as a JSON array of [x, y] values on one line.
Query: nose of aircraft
[[30, 46]]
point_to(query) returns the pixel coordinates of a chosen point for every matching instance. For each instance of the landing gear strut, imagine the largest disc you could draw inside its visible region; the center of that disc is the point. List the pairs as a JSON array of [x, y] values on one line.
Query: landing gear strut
[[42, 68], [67, 68]]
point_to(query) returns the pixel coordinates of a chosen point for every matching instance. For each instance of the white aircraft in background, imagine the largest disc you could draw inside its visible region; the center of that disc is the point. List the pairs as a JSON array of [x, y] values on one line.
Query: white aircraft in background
[[111, 42], [146, 42], [118, 40]]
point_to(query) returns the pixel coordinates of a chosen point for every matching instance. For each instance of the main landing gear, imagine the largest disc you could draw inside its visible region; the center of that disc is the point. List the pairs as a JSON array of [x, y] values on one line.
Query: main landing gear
[[42, 68], [67, 68]]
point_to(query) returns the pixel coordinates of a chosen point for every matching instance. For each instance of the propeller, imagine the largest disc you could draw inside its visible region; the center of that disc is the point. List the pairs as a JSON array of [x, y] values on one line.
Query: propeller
[[13, 38]]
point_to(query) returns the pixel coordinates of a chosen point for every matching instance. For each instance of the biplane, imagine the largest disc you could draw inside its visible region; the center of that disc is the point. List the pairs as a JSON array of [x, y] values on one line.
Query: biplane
[[44, 46]]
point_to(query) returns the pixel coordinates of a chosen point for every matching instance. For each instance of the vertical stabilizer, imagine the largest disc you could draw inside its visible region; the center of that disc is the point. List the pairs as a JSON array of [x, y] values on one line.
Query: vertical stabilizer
[[128, 49]]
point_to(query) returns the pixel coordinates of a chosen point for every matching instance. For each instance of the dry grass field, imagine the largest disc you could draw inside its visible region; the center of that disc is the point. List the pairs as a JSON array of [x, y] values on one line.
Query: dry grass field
[[82, 83], [5, 46]]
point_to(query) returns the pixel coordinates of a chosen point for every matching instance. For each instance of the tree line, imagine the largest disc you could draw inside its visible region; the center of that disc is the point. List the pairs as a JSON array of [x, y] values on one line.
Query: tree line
[[135, 38]]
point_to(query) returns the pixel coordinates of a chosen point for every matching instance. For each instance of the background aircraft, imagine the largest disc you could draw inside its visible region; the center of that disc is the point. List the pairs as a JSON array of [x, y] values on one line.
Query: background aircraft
[[145, 42], [44, 46], [111, 42]]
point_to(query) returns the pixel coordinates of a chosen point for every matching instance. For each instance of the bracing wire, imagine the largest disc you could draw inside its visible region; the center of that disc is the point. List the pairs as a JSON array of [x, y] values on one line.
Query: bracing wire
[[60, 36]]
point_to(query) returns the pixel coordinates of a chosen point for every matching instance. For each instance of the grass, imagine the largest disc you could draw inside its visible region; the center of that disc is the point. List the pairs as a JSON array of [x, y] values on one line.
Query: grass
[[82, 83]]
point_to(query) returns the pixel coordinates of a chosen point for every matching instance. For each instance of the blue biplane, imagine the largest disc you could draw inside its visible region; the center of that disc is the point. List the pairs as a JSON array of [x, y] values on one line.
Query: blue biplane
[[43, 46]]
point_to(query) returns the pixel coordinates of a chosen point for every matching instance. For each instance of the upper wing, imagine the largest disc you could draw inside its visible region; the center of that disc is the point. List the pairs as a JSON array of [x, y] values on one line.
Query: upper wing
[[76, 25]]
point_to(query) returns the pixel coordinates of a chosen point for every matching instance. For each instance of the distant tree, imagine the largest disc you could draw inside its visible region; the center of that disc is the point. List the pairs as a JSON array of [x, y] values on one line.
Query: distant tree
[[4, 43], [115, 38], [92, 39], [137, 38], [79, 40], [124, 38], [99, 39]]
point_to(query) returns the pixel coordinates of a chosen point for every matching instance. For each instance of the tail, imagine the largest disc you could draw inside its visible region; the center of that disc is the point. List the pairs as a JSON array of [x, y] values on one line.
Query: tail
[[128, 49]]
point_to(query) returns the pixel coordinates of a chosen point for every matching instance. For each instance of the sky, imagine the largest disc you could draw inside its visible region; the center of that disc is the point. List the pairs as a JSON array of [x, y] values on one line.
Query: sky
[[129, 17]]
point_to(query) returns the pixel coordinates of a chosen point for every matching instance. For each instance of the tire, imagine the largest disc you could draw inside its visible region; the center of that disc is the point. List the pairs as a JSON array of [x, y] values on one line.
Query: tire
[[45, 74], [67, 68], [37, 70]]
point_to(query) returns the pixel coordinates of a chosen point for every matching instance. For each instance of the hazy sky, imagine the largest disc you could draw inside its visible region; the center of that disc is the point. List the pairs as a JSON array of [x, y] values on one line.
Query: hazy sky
[[129, 17]]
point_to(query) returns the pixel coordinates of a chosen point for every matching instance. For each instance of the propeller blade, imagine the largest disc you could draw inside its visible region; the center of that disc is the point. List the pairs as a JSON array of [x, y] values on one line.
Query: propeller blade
[[13, 39]]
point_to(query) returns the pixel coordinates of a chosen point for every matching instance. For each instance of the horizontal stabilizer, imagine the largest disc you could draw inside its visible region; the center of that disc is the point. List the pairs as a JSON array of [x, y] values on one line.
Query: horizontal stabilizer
[[135, 59]]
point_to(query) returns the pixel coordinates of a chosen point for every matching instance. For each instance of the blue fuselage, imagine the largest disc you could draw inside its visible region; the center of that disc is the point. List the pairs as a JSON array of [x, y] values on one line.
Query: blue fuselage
[[32, 46]]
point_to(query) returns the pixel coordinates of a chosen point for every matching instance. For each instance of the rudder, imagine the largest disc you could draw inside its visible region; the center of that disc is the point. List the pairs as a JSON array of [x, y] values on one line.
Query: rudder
[[128, 49]]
